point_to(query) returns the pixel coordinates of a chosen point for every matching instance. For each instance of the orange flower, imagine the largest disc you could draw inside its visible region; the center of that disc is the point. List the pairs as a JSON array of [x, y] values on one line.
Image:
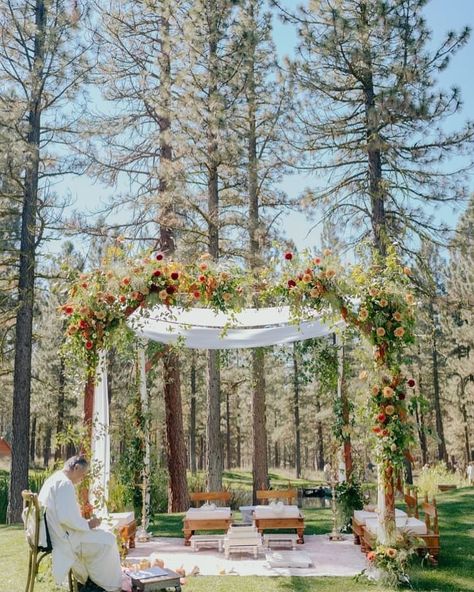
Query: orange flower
[[327, 252], [389, 409], [317, 260], [370, 555], [397, 316], [314, 293], [375, 389], [407, 271], [363, 375], [330, 273], [203, 266], [383, 302], [307, 278], [410, 298], [399, 332], [226, 296], [391, 552], [374, 292], [380, 331], [126, 281], [163, 294], [363, 314], [388, 392]]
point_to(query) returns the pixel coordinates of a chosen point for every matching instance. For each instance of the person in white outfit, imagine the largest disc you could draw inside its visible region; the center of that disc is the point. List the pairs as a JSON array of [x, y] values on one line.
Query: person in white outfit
[[77, 543], [470, 473]]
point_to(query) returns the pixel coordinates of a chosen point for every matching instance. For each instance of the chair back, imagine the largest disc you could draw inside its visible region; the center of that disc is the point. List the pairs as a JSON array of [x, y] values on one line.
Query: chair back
[[222, 497], [31, 518], [411, 501], [430, 511], [287, 495]]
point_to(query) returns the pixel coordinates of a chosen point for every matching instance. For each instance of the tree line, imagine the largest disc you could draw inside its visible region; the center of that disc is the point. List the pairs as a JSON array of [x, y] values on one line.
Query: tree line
[[185, 110]]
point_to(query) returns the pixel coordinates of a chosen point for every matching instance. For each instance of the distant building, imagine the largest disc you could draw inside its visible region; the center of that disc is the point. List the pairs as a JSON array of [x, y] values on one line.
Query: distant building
[[5, 452]]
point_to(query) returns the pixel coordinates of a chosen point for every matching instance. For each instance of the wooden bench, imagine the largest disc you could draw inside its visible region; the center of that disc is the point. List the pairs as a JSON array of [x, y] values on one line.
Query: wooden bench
[[288, 495], [191, 525], [32, 516], [431, 539]]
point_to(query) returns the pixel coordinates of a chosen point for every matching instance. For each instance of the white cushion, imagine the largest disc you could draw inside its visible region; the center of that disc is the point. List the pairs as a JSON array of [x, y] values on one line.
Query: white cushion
[[207, 513], [362, 515], [415, 526], [122, 518], [288, 559], [372, 524], [277, 511]]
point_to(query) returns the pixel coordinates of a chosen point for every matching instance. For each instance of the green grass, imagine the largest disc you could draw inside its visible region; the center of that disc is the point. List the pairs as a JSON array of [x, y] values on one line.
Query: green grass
[[454, 574]]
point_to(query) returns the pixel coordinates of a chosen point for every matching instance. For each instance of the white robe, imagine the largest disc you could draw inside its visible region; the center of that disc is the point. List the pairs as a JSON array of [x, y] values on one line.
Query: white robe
[[90, 553]]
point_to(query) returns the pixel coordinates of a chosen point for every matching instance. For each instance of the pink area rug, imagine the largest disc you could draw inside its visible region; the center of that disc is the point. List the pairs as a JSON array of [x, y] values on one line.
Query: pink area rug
[[329, 558]]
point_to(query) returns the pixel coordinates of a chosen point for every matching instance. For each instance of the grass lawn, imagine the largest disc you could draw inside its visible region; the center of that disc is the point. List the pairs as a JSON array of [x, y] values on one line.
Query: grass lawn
[[454, 574]]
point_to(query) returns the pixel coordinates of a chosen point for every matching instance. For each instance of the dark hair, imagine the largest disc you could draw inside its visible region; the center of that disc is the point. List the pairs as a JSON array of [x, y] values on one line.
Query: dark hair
[[78, 460]]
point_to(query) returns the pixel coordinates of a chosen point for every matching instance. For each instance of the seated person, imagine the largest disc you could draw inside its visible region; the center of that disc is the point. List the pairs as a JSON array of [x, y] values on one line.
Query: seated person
[[91, 553]]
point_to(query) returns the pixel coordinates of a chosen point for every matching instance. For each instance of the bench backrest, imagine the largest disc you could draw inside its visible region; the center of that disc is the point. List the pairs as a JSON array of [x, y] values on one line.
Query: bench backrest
[[411, 501], [288, 495], [196, 497], [430, 511]]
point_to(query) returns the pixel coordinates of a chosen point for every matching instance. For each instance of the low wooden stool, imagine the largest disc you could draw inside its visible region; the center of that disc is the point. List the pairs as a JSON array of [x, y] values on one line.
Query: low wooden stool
[[207, 540], [280, 540]]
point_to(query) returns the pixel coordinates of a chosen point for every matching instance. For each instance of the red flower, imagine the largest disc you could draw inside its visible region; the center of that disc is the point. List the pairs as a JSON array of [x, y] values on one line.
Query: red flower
[[202, 278], [170, 290], [159, 256], [376, 429], [157, 273], [138, 296], [85, 285], [174, 275], [401, 396], [123, 299], [126, 281], [89, 345], [68, 309], [385, 432], [411, 383], [197, 294], [370, 556], [381, 417], [288, 256], [83, 324], [291, 283]]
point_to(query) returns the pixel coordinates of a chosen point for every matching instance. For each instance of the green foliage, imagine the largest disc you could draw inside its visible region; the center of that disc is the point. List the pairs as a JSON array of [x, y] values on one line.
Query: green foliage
[[349, 497], [430, 478]]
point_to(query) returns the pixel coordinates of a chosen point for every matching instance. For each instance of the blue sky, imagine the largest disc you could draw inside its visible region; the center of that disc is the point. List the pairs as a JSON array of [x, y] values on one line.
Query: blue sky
[[441, 15]]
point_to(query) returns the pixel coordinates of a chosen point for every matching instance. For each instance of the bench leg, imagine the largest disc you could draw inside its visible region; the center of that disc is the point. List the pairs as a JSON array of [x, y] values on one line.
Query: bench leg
[[187, 537], [300, 532], [131, 542]]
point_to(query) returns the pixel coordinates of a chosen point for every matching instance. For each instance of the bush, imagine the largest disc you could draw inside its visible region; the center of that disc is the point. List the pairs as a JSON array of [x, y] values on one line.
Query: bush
[[349, 498], [431, 477]]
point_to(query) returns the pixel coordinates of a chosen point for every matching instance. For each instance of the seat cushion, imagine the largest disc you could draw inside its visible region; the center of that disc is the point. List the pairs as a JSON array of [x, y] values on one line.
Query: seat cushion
[[362, 515], [278, 510], [372, 525], [415, 526], [208, 513]]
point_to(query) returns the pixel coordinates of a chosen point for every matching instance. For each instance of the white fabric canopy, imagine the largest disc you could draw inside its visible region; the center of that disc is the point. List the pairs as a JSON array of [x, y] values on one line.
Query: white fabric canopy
[[201, 328]]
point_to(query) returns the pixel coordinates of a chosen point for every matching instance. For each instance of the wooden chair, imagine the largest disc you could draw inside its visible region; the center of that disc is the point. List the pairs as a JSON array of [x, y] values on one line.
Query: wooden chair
[[289, 495], [191, 525], [37, 553]]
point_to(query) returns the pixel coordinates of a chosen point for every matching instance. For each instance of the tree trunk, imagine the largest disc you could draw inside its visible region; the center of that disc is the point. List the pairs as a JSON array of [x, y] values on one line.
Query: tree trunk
[[192, 419], [420, 423], [342, 392], [374, 160], [60, 409], [178, 498], [259, 427], [442, 452], [239, 449], [228, 434], [33, 439], [26, 281], [213, 432], [47, 446], [296, 413], [319, 438]]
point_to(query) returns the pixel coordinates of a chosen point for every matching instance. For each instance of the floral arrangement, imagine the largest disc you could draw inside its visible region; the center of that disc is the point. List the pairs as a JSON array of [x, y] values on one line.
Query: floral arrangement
[[388, 564]]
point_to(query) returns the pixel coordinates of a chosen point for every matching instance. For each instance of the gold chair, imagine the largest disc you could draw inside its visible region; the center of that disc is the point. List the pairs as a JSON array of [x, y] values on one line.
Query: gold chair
[[32, 516]]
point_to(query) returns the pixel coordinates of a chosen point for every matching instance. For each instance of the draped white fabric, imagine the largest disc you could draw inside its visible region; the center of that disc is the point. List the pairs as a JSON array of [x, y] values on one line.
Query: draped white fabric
[[100, 454], [200, 328]]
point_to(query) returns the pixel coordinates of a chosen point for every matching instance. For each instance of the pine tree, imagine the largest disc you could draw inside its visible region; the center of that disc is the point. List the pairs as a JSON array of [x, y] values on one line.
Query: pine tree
[[370, 118], [42, 64]]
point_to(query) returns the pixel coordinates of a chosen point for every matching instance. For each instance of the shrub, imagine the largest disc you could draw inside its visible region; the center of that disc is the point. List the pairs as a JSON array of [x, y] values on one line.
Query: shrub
[[431, 477]]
